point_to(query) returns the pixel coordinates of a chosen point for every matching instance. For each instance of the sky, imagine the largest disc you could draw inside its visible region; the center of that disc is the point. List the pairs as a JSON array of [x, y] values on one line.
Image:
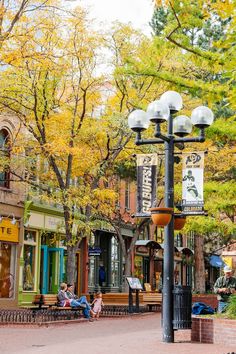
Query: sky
[[137, 12]]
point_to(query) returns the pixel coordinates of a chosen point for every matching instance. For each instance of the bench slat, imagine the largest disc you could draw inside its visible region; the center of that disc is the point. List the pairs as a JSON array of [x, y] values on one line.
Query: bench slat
[[50, 301]]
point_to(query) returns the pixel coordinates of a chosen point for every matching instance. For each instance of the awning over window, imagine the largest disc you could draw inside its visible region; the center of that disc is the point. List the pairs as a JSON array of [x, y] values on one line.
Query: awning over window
[[216, 261], [175, 248], [149, 243], [185, 250]]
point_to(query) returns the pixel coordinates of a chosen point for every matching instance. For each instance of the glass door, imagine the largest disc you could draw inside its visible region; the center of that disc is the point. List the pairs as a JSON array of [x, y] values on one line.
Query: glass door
[[51, 270]]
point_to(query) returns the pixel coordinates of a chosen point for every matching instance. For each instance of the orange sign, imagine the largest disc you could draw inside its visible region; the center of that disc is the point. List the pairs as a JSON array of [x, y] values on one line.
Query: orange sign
[[8, 231]]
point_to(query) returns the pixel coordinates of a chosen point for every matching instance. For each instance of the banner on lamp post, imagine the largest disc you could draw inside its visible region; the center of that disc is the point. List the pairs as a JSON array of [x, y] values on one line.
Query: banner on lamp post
[[146, 183], [192, 183]]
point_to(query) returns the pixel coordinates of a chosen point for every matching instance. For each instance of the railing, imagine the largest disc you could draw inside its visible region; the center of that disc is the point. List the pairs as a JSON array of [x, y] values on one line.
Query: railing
[[37, 316], [34, 316]]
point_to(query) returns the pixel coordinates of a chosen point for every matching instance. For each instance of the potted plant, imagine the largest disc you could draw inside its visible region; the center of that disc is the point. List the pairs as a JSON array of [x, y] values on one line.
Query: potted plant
[[161, 216], [179, 221]]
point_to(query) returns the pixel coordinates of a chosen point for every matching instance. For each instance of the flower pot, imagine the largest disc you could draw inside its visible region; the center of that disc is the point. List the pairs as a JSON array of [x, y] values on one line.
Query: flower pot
[[161, 216], [179, 221]]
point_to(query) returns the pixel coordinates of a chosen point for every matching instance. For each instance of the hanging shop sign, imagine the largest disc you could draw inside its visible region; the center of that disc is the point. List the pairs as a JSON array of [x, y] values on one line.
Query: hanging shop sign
[[8, 231], [94, 251], [192, 183], [146, 183]]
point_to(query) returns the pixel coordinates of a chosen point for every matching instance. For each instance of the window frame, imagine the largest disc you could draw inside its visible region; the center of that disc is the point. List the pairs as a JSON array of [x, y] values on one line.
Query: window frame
[[35, 245], [6, 174], [127, 194]]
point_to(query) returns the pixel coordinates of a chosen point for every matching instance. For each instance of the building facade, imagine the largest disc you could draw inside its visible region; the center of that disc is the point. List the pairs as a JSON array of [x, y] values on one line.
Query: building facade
[[11, 216]]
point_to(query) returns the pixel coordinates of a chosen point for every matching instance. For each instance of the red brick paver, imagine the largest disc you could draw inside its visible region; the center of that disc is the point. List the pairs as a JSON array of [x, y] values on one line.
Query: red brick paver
[[136, 334]]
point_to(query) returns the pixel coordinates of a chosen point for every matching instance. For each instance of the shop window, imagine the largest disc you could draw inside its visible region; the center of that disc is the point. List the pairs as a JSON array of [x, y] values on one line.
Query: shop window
[[179, 240], [158, 235], [4, 148], [138, 267], [115, 262], [190, 240], [7, 270], [91, 275], [29, 255], [127, 194]]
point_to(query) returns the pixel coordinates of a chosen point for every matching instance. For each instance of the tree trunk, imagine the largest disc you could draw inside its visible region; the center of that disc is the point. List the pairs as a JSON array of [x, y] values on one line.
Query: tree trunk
[[71, 251], [127, 270], [200, 284]]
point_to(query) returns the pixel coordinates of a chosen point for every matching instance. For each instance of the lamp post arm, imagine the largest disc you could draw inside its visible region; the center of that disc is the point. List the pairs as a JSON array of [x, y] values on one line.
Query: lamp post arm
[[199, 139], [158, 134], [140, 141]]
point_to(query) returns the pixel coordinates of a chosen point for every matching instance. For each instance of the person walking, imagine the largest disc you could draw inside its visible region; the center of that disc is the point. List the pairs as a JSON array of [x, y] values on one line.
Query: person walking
[[97, 305], [224, 287]]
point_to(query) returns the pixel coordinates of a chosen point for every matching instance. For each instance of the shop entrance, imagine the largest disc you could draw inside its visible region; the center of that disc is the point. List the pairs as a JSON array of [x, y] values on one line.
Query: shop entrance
[[146, 270], [51, 269]]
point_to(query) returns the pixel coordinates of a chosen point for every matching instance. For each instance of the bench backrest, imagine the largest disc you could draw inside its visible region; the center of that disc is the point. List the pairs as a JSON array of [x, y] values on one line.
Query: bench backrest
[[46, 299], [50, 299], [121, 298], [152, 297]]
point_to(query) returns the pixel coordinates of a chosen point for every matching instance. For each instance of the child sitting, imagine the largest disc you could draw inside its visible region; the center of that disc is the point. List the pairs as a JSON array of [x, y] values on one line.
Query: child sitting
[[97, 305]]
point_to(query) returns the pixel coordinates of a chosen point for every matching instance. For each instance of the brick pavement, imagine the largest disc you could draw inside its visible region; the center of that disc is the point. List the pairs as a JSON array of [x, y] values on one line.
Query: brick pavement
[[139, 333]]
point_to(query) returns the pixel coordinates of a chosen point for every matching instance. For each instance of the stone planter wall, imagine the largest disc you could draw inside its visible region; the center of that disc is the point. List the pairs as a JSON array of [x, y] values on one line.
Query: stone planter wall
[[213, 330]]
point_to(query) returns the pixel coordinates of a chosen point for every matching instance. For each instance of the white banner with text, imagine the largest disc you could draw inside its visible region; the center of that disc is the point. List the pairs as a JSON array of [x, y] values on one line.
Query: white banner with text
[[192, 183]]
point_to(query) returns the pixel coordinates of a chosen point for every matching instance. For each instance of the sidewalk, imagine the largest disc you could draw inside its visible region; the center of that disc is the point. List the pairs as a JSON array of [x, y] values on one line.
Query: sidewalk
[[136, 334]]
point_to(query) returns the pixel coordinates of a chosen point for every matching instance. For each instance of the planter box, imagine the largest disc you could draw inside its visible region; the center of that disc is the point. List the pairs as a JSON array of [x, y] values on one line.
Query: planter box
[[208, 299], [213, 330]]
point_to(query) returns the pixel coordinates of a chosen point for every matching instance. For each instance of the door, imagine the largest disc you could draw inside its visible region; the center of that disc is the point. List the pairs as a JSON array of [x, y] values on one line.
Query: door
[[51, 269], [146, 270]]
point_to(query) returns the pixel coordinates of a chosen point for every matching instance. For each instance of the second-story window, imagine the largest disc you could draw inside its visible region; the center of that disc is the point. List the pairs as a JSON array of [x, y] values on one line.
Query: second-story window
[[179, 240], [127, 194], [190, 240], [4, 156]]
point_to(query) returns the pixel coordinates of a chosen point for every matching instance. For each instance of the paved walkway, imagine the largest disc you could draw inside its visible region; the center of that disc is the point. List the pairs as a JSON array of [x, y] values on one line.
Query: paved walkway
[[137, 334]]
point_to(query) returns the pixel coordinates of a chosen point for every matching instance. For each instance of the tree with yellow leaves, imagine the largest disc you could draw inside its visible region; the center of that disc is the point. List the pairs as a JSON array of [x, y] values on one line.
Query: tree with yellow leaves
[[204, 32], [52, 83]]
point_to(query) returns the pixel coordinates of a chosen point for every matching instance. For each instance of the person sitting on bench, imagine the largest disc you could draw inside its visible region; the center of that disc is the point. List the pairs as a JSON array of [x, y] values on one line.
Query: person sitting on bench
[[75, 301], [64, 300]]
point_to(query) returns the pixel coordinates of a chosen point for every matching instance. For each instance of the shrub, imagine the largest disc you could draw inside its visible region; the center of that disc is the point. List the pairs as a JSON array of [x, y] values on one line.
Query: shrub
[[231, 308]]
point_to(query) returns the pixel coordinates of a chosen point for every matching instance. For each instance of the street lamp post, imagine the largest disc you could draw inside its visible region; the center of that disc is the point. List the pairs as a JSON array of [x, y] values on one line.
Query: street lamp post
[[177, 128]]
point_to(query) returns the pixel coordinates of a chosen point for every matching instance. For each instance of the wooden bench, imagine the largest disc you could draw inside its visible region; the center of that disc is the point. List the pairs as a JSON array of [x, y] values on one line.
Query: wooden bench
[[45, 301], [152, 299], [116, 298]]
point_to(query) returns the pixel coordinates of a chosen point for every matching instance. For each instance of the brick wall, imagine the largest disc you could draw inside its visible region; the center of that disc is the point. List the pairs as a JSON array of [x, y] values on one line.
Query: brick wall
[[208, 299], [213, 330]]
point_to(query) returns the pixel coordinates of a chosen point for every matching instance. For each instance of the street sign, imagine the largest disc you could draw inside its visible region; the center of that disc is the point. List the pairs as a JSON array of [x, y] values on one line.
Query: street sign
[[94, 251]]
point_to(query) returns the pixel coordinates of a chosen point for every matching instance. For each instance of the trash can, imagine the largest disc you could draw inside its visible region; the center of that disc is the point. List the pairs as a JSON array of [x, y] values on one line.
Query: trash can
[[182, 298]]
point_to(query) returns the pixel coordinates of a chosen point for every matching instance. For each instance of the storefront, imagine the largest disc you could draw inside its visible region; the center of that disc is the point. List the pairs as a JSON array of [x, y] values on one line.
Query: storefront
[[105, 260], [105, 263], [9, 261], [148, 264], [43, 257]]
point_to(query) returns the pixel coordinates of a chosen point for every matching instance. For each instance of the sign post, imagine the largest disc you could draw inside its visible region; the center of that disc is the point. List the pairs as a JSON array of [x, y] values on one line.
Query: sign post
[[134, 284]]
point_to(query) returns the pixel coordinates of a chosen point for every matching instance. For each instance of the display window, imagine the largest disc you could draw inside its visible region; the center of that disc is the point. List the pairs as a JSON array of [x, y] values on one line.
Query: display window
[[115, 262], [7, 270], [29, 255], [138, 267]]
